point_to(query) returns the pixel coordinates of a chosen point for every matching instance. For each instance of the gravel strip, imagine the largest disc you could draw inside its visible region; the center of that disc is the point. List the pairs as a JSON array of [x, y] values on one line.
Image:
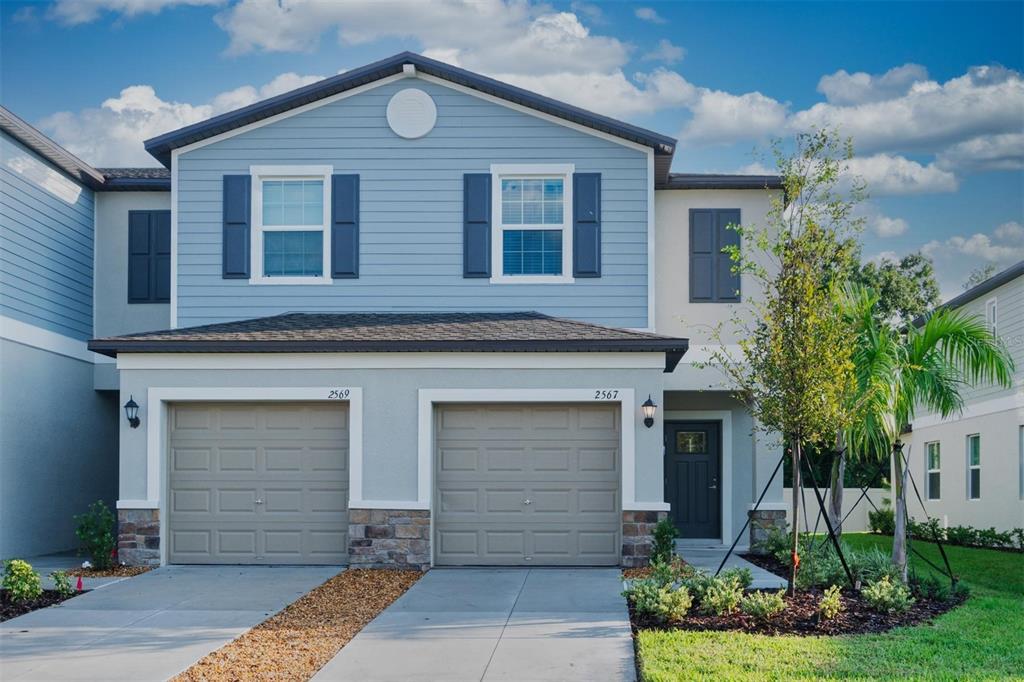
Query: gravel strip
[[113, 572], [295, 643]]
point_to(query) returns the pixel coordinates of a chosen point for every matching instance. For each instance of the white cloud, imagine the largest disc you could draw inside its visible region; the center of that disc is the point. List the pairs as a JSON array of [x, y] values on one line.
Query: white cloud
[[665, 52], [986, 152], [721, 117], [649, 14], [987, 100], [884, 226], [112, 135], [888, 174], [75, 12], [957, 256], [1011, 232], [843, 88]]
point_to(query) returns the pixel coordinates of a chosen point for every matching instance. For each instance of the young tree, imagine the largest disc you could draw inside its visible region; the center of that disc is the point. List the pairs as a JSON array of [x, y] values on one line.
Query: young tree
[[795, 371]]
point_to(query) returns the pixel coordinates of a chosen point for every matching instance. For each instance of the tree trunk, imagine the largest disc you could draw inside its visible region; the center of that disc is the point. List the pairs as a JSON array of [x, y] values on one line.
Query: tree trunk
[[835, 501], [899, 536], [794, 557]]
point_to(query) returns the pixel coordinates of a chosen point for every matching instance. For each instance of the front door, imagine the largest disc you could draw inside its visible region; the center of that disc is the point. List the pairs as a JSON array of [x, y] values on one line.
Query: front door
[[693, 465]]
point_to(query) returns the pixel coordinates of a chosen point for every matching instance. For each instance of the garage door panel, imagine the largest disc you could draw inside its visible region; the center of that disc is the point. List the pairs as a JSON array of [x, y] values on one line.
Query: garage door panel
[[258, 483], [527, 484]]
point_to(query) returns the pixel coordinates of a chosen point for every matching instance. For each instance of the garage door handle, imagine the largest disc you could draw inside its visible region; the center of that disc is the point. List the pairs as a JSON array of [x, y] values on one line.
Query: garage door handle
[[259, 501], [526, 501]]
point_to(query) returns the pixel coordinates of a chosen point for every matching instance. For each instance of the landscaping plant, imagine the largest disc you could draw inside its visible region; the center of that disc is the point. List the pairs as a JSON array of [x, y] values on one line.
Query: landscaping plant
[[645, 595], [721, 596], [62, 583], [882, 521], [673, 604], [20, 581], [831, 603], [742, 575], [96, 532], [663, 543], [888, 596], [763, 605]]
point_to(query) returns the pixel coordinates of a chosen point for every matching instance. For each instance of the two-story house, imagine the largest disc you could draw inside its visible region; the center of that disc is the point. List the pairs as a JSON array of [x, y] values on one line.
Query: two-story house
[[970, 466], [416, 316]]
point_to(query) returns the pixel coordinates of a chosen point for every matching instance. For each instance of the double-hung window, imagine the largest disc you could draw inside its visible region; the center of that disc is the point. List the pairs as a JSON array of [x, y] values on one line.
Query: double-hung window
[[933, 461], [532, 209], [291, 239], [974, 467], [991, 315]]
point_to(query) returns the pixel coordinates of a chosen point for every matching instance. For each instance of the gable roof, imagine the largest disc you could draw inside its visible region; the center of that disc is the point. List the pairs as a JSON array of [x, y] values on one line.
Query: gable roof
[[994, 282], [516, 332], [161, 146], [49, 150], [136, 179]]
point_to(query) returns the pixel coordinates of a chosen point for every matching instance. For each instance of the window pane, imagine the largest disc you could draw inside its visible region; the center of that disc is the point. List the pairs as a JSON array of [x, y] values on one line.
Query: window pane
[[933, 486], [511, 213], [511, 190], [974, 445], [933, 455], [293, 202], [975, 484], [532, 201], [533, 213], [690, 442], [533, 190], [293, 254], [532, 252]]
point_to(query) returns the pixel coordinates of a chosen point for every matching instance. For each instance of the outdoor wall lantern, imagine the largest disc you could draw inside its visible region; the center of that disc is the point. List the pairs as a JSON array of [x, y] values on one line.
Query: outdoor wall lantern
[[649, 409], [131, 410]]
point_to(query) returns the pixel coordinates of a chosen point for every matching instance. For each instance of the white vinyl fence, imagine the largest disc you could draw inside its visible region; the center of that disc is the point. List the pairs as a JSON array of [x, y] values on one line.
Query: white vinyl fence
[[856, 522]]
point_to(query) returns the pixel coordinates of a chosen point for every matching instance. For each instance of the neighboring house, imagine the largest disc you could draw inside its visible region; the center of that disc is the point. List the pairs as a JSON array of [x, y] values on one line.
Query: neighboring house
[[59, 244], [970, 467], [413, 316]]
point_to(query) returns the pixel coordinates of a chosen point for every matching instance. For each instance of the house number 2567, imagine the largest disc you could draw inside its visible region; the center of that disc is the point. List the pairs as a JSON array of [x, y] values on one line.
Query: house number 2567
[[606, 394]]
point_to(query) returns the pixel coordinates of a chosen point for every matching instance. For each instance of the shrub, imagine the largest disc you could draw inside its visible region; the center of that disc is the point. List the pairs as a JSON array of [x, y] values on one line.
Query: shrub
[[645, 595], [962, 535], [721, 596], [1018, 533], [778, 544], [763, 605], [929, 530], [831, 603], [930, 587], [96, 531], [886, 596], [62, 583], [673, 604], [882, 521], [671, 572], [741, 574], [20, 581], [663, 543]]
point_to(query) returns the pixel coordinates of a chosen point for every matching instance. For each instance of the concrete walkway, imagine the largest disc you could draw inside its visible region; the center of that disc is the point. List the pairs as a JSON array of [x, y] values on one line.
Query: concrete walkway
[[150, 627], [708, 559], [496, 624]]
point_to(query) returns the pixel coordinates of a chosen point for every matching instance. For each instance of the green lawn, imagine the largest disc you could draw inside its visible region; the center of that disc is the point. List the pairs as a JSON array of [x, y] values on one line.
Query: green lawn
[[984, 639]]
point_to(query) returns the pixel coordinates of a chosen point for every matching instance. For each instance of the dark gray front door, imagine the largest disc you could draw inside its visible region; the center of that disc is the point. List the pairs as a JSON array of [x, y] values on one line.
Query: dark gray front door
[[693, 464]]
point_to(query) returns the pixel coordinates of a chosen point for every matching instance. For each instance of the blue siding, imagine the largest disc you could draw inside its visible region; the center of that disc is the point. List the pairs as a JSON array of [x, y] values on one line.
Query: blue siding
[[411, 221], [46, 244]]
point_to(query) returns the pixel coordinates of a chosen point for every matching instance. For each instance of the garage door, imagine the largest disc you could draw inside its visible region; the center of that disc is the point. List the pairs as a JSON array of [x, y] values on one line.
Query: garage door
[[527, 485], [258, 484]]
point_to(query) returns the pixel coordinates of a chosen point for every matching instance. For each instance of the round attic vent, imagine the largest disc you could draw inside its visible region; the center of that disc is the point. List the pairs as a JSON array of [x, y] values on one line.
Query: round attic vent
[[411, 113]]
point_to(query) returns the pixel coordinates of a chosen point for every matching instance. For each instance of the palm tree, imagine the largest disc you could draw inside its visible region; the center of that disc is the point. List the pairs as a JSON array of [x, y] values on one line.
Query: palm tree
[[922, 367]]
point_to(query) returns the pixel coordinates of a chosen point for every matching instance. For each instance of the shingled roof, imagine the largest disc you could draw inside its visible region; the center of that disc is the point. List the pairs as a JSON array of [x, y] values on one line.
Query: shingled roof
[[136, 179], [396, 332]]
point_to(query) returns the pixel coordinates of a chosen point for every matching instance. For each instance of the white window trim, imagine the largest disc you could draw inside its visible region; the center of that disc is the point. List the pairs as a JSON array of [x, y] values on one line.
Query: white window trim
[[259, 175], [928, 471], [516, 170], [992, 315], [971, 467]]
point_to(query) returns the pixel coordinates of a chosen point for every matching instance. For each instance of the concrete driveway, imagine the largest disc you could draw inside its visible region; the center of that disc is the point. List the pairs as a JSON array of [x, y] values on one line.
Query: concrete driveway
[[150, 627], [496, 624]]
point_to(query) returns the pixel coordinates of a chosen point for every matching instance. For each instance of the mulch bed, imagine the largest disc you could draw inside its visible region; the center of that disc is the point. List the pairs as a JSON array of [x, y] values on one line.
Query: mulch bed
[[295, 643], [801, 618], [112, 572], [9, 609]]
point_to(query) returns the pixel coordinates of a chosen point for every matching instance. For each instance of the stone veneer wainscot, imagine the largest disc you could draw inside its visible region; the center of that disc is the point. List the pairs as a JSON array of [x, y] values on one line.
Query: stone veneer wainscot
[[138, 537], [389, 538], [638, 536], [763, 522]]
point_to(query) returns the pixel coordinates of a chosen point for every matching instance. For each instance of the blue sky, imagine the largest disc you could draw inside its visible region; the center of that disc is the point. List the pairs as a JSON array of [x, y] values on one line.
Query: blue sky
[[932, 93]]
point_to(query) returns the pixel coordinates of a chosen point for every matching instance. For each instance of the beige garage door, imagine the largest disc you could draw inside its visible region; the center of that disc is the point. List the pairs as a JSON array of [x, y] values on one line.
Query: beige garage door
[[258, 484], [527, 485]]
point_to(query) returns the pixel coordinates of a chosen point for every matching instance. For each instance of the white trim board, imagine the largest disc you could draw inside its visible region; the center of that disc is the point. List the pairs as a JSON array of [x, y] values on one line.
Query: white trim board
[[155, 415], [215, 361], [725, 417], [174, 237], [43, 339]]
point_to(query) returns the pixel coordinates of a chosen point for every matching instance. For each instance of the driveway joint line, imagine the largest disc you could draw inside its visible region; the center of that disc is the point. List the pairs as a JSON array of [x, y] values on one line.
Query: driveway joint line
[[505, 625]]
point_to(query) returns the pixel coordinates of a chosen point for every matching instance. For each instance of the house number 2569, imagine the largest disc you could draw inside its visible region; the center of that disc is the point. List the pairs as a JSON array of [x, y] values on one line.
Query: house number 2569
[[605, 394], [338, 394]]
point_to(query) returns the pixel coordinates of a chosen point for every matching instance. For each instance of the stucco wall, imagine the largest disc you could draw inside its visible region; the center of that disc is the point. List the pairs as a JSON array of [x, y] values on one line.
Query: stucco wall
[[1002, 479], [390, 408], [58, 448], [114, 315], [856, 522]]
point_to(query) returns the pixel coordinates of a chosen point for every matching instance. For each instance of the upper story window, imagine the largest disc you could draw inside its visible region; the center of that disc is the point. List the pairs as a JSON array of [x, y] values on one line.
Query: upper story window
[[991, 315], [933, 461], [291, 239], [532, 240], [974, 467]]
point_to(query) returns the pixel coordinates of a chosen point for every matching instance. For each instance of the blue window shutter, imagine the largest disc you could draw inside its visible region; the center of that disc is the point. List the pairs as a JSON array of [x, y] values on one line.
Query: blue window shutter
[[586, 224], [149, 256], [727, 283], [139, 250], [702, 255], [237, 210], [476, 225], [345, 226]]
